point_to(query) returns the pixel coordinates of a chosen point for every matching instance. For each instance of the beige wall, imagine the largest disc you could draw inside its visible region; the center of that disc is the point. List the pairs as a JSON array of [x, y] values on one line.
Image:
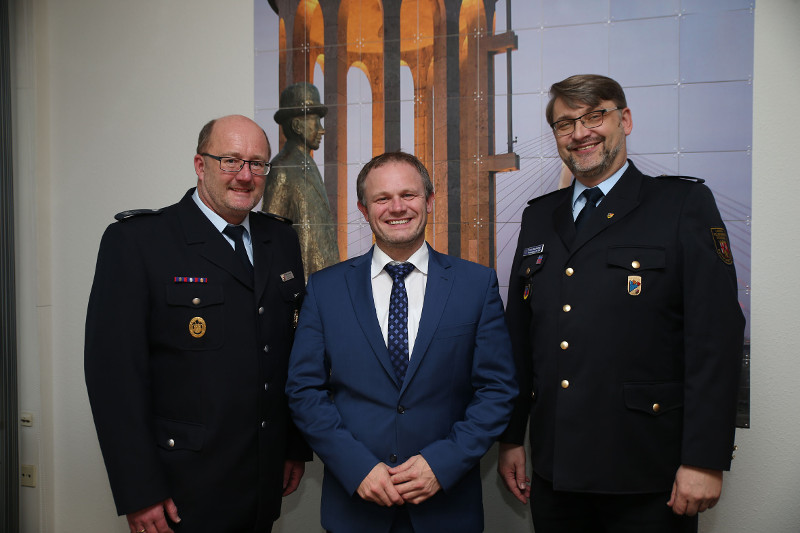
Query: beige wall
[[110, 95]]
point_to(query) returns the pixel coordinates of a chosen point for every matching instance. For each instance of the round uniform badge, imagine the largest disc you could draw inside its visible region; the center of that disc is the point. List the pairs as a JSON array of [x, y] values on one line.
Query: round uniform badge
[[197, 327]]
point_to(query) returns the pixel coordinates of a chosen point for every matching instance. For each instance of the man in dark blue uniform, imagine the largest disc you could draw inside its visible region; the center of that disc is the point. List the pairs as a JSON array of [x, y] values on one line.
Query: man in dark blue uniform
[[627, 332], [189, 327]]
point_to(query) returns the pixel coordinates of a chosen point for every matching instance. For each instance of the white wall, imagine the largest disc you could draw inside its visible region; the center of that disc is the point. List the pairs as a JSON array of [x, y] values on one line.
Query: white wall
[[110, 97]]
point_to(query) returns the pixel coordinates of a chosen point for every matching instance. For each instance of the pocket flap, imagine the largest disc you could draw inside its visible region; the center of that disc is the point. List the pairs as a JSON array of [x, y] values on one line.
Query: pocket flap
[[178, 435], [635, 258], [654, 398], [194, 295]]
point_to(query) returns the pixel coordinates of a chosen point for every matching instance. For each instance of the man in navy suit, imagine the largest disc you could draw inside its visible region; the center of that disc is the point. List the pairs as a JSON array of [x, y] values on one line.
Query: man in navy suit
[[623, 313], [401, 437]]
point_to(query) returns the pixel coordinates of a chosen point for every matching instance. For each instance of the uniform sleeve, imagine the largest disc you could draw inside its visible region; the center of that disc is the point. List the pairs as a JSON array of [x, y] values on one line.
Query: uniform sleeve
[[116, 371], [713, 336]]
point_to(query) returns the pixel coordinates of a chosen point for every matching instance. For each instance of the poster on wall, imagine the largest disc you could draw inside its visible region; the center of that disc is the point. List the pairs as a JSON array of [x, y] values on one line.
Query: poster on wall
[[464, 85]]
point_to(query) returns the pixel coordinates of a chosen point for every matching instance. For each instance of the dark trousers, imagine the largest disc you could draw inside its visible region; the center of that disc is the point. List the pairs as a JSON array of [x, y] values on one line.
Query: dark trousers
[[576, 512], [401, 522]]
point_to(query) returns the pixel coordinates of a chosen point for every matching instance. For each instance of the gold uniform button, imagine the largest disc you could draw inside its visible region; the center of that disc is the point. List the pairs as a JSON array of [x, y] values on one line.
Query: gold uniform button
[[260, 310], [533, 395], [528, 271], [564, 345], [656, 407], [567, 308], [635, 264], [570, 271], [171, 443], [565, 384], [196, 301]]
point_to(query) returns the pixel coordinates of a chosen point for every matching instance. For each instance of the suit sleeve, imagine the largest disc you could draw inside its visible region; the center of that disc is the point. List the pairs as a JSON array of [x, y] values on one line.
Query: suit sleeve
[[312, 408], [495, 390], [116, 370], [714, 330], [518, 318]]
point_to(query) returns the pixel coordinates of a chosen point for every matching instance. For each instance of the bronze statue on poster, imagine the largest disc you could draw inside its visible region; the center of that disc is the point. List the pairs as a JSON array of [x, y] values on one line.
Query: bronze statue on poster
[[294, 187]]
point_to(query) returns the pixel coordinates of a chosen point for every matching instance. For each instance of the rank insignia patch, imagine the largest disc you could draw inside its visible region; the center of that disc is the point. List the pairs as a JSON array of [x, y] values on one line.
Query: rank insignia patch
[[722, 245], [634, 285], [197, 327]]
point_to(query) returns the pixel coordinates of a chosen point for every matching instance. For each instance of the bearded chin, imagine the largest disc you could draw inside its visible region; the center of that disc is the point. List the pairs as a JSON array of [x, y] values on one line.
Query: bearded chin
[[593, 171]]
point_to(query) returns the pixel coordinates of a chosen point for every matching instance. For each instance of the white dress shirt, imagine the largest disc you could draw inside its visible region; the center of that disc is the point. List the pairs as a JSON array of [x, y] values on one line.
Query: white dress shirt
[[415, 289], [220, 224], [578, 200]]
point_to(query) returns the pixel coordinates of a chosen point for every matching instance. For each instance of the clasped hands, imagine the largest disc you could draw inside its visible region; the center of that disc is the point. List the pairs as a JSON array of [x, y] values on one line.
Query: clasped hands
[[410, 482]]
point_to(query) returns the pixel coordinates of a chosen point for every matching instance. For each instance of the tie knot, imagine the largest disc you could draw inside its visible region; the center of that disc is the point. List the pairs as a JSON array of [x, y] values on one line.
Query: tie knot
[[398, 271], [234, 232], [592, 195]]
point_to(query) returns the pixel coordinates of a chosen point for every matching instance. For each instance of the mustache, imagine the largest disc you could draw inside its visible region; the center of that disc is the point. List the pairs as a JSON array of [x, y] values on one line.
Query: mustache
[[573, 145]]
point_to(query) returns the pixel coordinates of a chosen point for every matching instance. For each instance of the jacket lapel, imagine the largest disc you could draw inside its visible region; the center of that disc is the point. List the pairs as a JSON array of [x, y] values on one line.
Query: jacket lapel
[[201, 234], [359, 286], [437, 291], [262, 255], [621, 200]]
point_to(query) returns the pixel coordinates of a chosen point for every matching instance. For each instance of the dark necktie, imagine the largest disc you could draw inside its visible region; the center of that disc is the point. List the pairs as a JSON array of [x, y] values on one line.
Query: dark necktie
[[235, 233], [397, 332], [592, 196]]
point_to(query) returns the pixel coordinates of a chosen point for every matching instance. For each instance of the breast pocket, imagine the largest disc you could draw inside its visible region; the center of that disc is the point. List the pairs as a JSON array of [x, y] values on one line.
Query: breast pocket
[[195, 319], [528, 269], [638, 263]]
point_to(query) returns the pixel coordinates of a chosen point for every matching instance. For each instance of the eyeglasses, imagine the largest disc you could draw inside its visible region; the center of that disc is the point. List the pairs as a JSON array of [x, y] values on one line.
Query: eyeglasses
[[234, 164], [590, 120]]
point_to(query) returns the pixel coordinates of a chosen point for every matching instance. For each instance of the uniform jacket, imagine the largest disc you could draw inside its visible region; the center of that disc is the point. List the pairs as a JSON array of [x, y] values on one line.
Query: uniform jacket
[[628, 337], [453, 403], [185, 408]]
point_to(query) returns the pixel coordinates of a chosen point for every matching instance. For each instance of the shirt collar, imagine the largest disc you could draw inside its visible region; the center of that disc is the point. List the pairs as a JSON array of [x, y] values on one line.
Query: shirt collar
[[379, 259], [606, 185], [214, 218]]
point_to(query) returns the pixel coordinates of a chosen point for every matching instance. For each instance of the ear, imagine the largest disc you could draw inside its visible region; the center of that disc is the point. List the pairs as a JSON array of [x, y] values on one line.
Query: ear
[[199, 166], [627, 121], [297, 125], [429, 204], [363, 209]]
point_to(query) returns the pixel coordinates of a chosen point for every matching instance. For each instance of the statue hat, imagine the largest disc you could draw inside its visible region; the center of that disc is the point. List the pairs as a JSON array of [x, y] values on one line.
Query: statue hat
[[299, 99]]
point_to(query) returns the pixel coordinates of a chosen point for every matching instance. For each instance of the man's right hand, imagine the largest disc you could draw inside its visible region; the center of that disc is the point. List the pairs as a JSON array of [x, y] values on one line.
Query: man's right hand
[[511, 467], [378, 488], [151, 519]]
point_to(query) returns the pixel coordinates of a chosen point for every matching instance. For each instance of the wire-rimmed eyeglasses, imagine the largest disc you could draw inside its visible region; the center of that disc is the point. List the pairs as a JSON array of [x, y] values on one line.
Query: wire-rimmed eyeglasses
[[590, 120], [234, 164]]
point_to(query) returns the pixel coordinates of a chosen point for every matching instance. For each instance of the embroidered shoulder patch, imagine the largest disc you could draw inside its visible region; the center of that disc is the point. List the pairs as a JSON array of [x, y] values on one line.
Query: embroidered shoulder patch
[[722, 245]]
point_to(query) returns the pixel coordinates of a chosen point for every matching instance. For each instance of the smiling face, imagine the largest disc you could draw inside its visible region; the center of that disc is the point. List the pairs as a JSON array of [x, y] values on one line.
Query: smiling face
[[594, 154], [396, 208], [232, 195]]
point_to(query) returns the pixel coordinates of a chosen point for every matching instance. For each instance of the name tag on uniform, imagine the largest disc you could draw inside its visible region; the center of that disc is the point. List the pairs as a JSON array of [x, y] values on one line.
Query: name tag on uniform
[[539, 248], [286, 276]]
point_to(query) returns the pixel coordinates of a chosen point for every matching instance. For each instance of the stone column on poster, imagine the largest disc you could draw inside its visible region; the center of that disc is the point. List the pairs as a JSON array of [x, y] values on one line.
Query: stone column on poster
[[294, 187]]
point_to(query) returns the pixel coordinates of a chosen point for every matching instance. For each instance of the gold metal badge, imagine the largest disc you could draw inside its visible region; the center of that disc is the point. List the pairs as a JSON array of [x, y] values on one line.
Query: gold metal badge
[[634, 285], [295, 318], [197, 327]]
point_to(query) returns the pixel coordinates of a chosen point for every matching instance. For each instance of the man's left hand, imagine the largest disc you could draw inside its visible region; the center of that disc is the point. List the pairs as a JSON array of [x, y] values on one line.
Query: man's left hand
[[414, 480], [292, 472], [695, 490]]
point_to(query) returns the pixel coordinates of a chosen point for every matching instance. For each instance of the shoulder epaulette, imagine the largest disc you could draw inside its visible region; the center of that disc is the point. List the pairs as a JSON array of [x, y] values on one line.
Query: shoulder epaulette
[[684, 178], [276, 217], [544, 196], [130, 213]]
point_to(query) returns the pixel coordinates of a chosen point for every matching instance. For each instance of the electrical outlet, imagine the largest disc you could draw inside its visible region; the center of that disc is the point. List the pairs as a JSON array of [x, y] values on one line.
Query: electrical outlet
[[26, 419], [28, 475]]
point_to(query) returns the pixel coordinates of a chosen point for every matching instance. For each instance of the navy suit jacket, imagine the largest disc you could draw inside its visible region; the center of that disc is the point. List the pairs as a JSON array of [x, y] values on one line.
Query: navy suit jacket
[[455, 400]]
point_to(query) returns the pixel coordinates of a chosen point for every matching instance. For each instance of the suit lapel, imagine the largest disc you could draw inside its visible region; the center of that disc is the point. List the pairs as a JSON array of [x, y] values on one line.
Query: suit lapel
[[262, 255], [359, 286], [201, 233], [562, 218], [437, 290]]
